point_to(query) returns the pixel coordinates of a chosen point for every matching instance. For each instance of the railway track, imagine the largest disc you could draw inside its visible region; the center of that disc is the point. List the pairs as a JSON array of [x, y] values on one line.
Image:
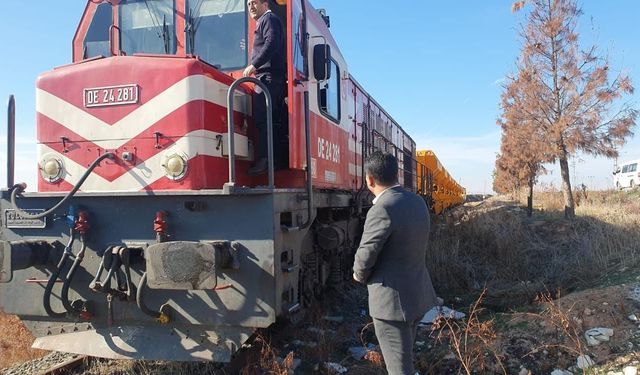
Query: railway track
[[74, 363], [52, 363], [57, 363]]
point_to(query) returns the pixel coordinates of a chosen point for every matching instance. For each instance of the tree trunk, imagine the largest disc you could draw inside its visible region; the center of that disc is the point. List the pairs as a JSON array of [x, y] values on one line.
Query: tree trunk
[[530, 199], [569, 207]]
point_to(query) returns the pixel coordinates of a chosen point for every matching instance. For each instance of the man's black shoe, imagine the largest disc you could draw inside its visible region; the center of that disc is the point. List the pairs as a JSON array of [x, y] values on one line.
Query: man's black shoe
[[260, 167]]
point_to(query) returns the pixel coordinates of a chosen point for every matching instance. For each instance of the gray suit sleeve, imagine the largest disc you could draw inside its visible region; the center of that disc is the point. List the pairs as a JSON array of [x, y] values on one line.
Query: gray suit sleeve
[[377, 229]]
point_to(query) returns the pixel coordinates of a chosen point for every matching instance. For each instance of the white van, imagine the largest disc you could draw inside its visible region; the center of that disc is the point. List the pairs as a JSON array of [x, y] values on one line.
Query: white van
[[627, 175]]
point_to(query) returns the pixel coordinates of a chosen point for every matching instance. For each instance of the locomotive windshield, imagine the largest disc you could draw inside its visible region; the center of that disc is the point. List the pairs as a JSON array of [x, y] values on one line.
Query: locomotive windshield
[[147, 26], [96, 42], [217, 32]]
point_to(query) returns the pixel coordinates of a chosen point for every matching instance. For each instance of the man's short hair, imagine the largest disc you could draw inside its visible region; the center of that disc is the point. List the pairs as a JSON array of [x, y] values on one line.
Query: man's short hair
[[383, 167]]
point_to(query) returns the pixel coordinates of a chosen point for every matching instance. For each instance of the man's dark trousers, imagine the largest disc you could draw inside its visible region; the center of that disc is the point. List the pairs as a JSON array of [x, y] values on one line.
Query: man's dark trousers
[[396, 340], [276, 88]]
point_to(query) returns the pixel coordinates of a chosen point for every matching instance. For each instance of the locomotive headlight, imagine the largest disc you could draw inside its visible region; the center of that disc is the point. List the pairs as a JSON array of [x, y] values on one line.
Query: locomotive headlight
[[51, 168], [175, 166]]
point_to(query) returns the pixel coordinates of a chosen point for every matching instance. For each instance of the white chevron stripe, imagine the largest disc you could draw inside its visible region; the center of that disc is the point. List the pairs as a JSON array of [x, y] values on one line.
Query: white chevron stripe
[[199, 142], [355, 170], [196, 87]]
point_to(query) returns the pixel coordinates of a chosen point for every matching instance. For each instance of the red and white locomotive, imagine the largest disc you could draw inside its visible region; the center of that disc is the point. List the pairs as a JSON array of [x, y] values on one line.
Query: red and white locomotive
[[148, 238]]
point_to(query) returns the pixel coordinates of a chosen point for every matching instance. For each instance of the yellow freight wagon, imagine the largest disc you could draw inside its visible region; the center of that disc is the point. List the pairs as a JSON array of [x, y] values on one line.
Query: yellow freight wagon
[[435, 184]]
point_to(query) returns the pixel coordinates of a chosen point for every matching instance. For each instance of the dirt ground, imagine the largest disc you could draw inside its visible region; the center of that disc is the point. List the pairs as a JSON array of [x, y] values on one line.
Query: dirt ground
[[551, 334], [15, 342], [540, 338]]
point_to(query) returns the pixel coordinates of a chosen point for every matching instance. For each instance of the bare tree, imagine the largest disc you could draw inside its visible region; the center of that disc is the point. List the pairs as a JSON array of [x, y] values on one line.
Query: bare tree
[[522, 151], [566, 92], [520, 161]]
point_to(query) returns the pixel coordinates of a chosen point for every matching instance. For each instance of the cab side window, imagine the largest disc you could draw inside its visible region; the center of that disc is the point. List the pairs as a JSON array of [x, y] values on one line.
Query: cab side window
[[96, 42], [299, 37], [625, 169], [329, 94]]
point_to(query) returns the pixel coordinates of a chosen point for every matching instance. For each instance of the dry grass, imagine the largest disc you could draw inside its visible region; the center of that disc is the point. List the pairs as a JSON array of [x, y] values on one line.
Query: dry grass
[[372, 356], [15, 342], [130, 367], [473, 341], [268, 362], [318, 341], [567, 331], [518, 257]]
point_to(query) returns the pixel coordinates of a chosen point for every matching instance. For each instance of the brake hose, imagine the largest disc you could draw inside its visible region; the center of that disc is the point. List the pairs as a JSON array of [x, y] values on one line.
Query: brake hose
[[158, 315], [46, 298], [64, 294], [19, 188]]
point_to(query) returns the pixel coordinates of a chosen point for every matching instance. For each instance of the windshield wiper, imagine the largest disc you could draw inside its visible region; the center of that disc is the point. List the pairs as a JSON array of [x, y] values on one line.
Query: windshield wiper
[[191, 33], [165, 28], [165, 34], [193, 22]]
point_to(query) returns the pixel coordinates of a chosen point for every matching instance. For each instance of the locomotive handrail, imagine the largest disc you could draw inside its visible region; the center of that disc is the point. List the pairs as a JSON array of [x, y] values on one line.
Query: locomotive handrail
[[11, 140], [307, 138], [112, 41], [231, 130]]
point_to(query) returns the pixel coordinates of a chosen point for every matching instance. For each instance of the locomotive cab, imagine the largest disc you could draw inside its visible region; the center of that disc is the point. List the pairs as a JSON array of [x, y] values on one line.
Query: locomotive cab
[[175, 58]]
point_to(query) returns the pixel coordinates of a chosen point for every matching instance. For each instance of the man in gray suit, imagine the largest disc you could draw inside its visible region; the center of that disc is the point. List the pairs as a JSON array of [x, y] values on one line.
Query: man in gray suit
[[391, 261]]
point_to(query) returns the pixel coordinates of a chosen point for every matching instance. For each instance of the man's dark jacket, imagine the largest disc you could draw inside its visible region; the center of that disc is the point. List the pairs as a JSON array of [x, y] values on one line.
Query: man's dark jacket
[[269, 53], [391, 257]]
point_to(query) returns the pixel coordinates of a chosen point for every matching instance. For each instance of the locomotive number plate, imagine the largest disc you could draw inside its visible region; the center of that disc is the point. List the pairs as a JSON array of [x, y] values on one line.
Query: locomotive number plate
[[13, 220], [111, 95]]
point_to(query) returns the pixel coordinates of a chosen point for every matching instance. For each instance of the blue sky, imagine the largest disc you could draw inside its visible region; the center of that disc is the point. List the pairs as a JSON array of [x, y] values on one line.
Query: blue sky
[[436, 67]]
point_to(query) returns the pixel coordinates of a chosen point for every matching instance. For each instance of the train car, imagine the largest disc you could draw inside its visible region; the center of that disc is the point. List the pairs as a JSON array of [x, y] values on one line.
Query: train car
[[436, 185], [147, 238]]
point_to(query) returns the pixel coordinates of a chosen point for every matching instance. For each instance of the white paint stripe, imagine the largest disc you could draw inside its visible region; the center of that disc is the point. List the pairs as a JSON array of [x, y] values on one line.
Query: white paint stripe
[[313, 108], [199, 142], [355, 170], [355, 146], [196, 87]]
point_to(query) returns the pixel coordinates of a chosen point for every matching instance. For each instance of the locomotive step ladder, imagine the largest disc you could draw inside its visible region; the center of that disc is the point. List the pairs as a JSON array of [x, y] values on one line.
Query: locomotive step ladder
[[230, 185]]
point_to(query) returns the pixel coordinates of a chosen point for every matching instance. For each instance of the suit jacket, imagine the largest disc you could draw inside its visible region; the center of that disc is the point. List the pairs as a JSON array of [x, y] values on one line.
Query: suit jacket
[[391, 257], [269, 47]]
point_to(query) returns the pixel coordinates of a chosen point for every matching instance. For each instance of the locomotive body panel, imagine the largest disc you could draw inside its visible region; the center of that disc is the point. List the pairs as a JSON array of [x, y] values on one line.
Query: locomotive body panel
[[262, 286], [179, 109]]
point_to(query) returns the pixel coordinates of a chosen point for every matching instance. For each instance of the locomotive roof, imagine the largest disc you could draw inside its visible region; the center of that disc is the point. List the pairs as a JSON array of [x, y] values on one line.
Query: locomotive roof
[[359, 86]]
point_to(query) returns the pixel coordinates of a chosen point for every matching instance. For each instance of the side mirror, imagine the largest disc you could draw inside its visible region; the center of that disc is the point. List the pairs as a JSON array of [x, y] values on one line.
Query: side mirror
[[322, 62], [325, 18], [616, 171]]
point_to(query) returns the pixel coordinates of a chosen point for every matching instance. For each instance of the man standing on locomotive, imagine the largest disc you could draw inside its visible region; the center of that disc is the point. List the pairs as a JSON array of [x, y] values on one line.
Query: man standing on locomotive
[[268, 63], [391, 260]]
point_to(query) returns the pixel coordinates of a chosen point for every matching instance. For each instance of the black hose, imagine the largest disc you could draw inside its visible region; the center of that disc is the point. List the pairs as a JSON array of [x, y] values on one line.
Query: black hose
[[64, 295], [114, 266], [139, 299], [19, 188], [46, 298]]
